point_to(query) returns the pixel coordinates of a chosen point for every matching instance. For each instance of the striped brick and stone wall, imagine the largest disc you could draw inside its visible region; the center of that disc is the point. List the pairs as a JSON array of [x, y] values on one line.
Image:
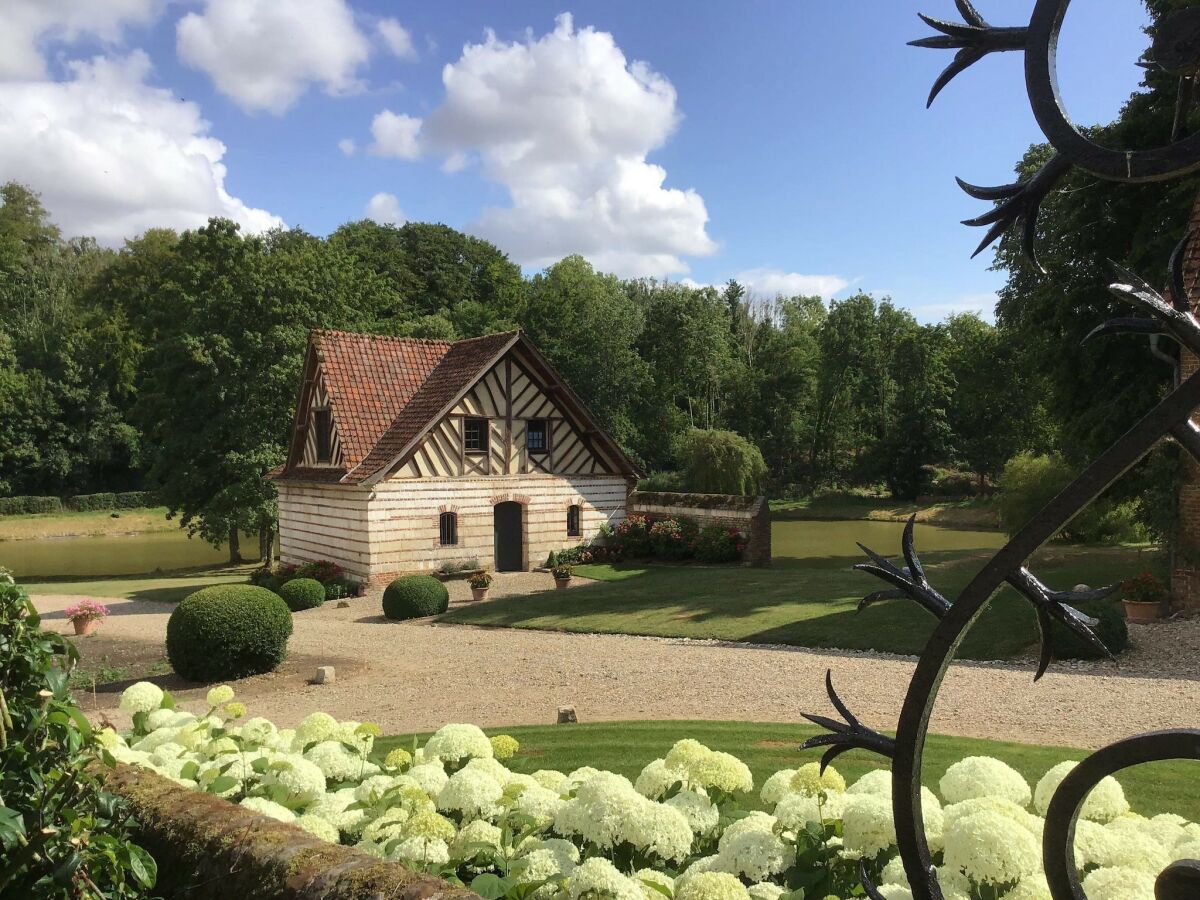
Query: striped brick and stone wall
[[749, 515]]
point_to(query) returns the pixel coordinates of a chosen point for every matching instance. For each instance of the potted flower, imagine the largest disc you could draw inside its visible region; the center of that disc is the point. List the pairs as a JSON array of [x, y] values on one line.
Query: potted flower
[[562, 576], [479, 585], [1143, 598], [85, 614]]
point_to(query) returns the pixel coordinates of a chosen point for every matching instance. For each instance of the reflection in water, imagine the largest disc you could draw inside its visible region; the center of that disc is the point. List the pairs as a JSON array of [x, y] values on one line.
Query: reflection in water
[[124, 554], [166, 550]]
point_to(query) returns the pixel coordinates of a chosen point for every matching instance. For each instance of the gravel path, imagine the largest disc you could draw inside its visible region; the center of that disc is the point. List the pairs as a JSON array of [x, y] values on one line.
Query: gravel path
[[417, 676]]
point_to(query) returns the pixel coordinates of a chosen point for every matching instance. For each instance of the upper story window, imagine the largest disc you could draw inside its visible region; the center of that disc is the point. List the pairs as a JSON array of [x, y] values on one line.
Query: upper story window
[[323, 427], [448, 529], [573, 528], [475, 435], [536, 440]]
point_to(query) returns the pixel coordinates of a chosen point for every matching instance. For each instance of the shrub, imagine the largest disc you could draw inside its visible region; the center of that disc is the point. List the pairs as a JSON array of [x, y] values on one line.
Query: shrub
[[631, 537], [91, 502], [321, 570], [24, 506], [52, 793], [721, 462], [228, 631], [1030, 481], [717, 544], [414, 597], [302, 593], [673, 539], [670, 482], [340, 587], [480, 582], [1111, 629]]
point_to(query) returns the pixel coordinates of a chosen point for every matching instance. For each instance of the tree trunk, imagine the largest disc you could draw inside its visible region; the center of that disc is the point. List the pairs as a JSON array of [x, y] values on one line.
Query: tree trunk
[[235, 546], [266, 541]]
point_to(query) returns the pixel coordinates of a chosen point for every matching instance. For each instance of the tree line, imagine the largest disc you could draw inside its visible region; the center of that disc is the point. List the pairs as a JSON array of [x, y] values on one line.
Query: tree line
[[174, 363]]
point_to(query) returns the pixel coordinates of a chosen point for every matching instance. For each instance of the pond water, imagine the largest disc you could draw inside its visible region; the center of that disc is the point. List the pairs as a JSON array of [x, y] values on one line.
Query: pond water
[[166, 550], [835, 540], [122, 554]]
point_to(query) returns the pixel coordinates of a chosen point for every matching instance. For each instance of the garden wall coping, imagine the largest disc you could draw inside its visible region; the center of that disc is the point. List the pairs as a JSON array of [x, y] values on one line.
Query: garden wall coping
[[207, 847]]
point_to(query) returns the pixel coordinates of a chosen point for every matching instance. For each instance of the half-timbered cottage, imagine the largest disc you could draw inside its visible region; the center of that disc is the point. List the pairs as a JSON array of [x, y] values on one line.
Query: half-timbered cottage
[[408, 454]]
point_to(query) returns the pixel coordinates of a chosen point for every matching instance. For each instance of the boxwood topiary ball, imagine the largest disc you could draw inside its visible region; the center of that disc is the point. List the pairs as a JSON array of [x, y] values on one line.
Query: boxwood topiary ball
[[228, 631], [302, 593], [415, 596]]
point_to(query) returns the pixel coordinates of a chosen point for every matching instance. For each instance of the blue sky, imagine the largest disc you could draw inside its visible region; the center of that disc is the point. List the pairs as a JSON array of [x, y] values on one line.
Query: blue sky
[[799, 128]]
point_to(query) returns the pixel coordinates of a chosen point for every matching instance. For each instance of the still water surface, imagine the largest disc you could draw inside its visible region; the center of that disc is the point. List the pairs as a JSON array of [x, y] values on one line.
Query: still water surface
[[167, 550]]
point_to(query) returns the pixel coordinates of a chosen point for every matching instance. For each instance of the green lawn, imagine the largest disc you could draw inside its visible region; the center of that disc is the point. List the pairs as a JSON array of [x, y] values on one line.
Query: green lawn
[[625, 747], [70, 523], [809, 603], [166, 588]]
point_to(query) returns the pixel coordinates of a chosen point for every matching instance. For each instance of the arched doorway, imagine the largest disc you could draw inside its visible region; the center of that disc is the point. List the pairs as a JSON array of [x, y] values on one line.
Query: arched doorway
[[508, 529]]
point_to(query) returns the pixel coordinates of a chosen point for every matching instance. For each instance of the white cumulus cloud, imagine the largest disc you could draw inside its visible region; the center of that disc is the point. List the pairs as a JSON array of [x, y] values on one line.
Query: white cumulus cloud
[[348, 146], [769, 282], [264, 54], [385, 209], [397, 39], [395, 134], [565, 122], [27, 25], [112, 155]]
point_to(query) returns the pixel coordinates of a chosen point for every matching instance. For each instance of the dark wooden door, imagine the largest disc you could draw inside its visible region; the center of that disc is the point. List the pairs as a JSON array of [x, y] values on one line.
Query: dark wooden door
[[506, 523]]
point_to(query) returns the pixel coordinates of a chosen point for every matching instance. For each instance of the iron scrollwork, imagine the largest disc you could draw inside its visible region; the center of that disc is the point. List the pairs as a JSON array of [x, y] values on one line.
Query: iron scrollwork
[[1176, 50]]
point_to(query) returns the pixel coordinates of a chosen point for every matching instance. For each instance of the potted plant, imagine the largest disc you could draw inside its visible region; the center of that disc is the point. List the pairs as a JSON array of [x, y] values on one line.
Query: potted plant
[[479, 585], [85, 614], [1143, 597], [562, 576]]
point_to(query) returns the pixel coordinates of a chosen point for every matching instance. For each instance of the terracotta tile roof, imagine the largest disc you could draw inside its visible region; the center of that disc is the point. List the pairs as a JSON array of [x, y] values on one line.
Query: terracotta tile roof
[[462, 364], [369, 380]]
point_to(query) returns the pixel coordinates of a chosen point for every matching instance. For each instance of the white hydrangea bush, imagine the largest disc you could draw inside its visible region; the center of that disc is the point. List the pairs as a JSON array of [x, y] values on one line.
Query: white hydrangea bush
[[684, 829]]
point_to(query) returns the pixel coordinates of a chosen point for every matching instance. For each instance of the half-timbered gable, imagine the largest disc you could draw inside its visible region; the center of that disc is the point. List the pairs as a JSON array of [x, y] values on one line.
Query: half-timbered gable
[[407, 454]]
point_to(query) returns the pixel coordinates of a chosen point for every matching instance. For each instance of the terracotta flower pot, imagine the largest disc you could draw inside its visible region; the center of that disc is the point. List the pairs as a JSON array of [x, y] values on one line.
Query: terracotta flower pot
[[84, 627], [561, 584], [479, 593], [1140, 612]]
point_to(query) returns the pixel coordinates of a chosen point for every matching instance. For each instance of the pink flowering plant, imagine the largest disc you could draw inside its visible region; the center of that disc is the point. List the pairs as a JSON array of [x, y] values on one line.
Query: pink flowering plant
[[87, 610]]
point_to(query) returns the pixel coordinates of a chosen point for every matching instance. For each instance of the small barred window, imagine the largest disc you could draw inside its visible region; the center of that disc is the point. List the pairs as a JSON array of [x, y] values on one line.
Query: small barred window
[[448, 528], [573, 529]]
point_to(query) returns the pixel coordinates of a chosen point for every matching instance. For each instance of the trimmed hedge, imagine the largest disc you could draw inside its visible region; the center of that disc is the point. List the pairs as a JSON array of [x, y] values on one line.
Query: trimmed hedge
[[1112, 630], [22, 506], [302, 593], [228, 631], [414, 597]]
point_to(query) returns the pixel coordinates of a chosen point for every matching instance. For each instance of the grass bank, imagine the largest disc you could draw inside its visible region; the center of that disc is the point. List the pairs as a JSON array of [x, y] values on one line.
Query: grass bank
[[169, 587], [625, 747], [979, 512], [804, 603], [85, 524]]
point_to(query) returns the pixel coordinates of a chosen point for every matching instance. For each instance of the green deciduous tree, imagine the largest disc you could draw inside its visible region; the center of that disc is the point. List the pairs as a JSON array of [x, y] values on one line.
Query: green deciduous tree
[[720, 462]]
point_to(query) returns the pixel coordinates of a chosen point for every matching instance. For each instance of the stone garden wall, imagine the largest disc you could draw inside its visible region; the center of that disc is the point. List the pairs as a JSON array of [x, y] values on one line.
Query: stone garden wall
[[750, 515], [207, 847]]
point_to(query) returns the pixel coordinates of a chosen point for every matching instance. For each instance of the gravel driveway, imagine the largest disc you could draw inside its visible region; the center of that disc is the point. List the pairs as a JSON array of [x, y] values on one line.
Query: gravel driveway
[[417, 676]]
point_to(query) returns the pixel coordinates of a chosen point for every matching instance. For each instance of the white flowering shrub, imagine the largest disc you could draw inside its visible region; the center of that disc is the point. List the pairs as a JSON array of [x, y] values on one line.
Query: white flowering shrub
[[684, 829]]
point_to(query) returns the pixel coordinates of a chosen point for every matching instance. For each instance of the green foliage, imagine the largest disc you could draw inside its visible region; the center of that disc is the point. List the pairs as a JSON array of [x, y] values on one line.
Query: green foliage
[[21, 506], [721, 462], [302, 593], [229, 631], [414, 597], [673, 539], [718, 544], [661, 481], [61, 833], [1111, 629], [1030, 481], [340, 587]]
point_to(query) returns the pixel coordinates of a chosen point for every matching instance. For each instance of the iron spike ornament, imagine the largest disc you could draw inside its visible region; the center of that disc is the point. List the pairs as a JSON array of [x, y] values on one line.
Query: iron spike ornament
[[1177, 50]]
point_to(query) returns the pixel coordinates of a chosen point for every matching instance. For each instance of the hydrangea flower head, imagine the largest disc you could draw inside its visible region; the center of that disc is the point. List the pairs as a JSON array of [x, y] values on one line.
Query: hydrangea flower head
[[597, 878], [219, 696], [452, 743], [504, 746], [712, 886], [991, 848], [265, 807], [983, 776], [1104, 803], [809, 779], [141, 697], [474, 794], [398, 759], [867, 825], [1116, 883]]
